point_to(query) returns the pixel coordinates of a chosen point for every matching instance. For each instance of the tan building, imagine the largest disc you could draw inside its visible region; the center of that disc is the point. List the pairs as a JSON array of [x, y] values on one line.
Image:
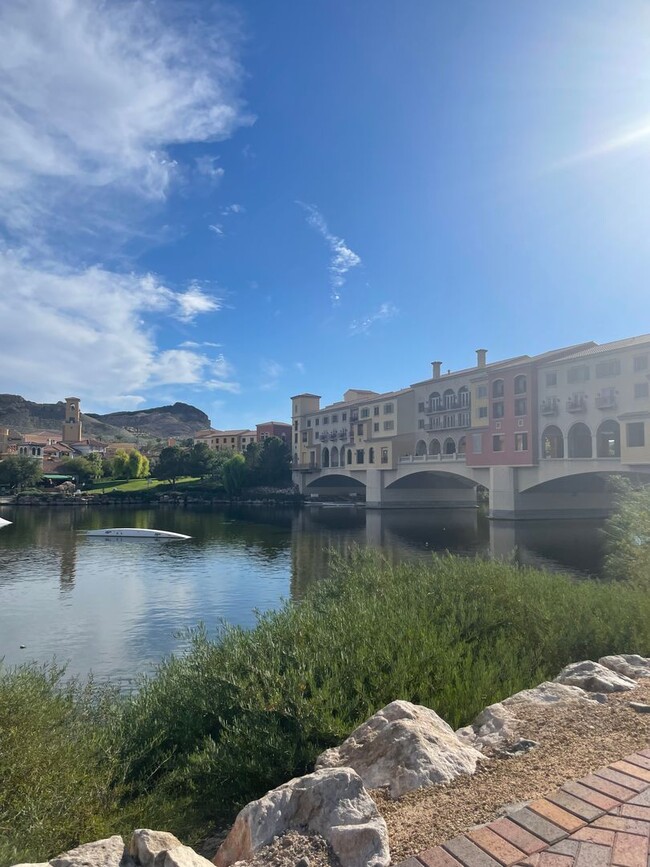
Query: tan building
[[227, 440], [72, 421]]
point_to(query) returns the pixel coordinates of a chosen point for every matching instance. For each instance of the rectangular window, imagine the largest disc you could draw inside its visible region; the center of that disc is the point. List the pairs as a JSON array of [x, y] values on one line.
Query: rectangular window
[[640, 363], [365, 412], [317, 422], [388, 408], [295, 425], [371, 456], [326, 419], [295, 439], [375, 410], [482, 411], [420, 423], [344, 416], [640, 389], [375, 426], [497, 409], [497, 443], [521, 442], [577, 374], [608, 368], [308, 422], [384, 456], [421, 406], [389, 425], [450, 421], [304, 436], [464, 419], [317, 435], [520, 406], [360, 456], [360, 430], [477, 444], [635, 434], [482, 391], [497, 388], [335, 418], [551, 379]]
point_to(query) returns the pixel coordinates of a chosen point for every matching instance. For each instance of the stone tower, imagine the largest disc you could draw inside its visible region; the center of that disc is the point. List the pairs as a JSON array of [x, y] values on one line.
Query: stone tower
[[72, 421]]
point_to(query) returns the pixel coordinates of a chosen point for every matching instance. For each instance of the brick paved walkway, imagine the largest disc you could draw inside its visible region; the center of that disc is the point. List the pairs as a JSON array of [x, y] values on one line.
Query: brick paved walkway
[[602, 820]]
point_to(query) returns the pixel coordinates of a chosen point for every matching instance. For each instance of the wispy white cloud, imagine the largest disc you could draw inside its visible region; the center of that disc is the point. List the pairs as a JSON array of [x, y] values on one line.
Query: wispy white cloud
[[342, 258], [89, 330], [208, 167], [195, 301], [383, 314], [217, 228], [192, 344], [271, 373], [232, 209], [92, 94]]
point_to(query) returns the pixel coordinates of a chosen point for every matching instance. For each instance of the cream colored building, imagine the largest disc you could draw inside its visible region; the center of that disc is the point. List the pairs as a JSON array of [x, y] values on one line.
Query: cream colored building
[[227, 440]]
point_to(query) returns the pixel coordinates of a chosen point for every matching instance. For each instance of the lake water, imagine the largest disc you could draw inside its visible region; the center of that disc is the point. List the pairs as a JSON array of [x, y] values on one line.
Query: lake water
[[116, 606]]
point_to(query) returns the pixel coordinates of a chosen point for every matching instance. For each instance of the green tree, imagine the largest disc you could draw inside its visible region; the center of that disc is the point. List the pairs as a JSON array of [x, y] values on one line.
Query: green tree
[[81, 468], [627, 532], [20, 471], [274, 465], [138, 465], [234, 475], [121, 464], [201, 460], [252, 457], [96, 464], [172, 464]]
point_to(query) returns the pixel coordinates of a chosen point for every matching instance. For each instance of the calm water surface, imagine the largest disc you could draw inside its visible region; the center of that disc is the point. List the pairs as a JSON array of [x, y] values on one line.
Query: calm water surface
[[116, 606]]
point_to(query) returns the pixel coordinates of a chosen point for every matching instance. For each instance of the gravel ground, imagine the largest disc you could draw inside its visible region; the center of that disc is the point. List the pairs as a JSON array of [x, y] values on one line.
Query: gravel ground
[[573, 741]]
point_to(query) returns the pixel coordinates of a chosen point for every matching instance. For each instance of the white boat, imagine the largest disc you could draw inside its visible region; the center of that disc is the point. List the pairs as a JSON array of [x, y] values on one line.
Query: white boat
[[134, 533], [4, 523]]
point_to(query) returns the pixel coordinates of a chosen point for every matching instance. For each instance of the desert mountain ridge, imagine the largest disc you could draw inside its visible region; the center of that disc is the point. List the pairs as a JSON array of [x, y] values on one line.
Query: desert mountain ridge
[[174, 420]]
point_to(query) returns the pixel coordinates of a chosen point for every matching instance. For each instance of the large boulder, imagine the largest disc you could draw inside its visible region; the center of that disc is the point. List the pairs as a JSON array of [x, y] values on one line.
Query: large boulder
[[184, 856], [150, 847], [102, 853], [331, 802], [497, 729], [403, 747], [594, 677], [628, 664]]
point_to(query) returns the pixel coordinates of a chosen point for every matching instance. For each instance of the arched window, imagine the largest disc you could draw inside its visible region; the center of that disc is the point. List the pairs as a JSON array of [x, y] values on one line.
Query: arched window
[[349, 458], [334, 456], [434, 447], [462, 442], [497, 388], [434, 399], [371, 455], [449, 447], [449, 398], [463, 396], [608, 440], [325, 457], [579, 441], [520, 384], [552, 443], [421, 448]]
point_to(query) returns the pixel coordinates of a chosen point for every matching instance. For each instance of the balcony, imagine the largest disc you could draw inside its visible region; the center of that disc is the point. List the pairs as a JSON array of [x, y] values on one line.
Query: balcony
[[305, 468], [446, 405], [460, 420], [343, 434], [606, 400], [431, 459], [577, 403], [550, 406]]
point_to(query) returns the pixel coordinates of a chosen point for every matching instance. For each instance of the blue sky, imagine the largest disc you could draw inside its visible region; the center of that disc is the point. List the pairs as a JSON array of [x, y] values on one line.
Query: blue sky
[[230, 203]]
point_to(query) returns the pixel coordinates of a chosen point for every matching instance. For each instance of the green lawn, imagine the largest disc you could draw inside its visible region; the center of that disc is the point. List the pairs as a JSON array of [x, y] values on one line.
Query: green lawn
[[107, 486]]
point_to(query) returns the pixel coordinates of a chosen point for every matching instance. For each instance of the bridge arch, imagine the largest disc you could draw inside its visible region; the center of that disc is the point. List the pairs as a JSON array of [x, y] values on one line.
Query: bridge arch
[[552, 442], [608, 439], [579, 441]]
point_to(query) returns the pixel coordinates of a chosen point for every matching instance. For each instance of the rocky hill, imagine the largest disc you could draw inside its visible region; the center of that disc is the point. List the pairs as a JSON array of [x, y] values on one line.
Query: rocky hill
[[175, 420]]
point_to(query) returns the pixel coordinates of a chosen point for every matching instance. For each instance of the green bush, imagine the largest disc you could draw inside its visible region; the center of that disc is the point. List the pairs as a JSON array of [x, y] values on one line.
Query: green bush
[[627, 533], [59, 782], [249, 709]]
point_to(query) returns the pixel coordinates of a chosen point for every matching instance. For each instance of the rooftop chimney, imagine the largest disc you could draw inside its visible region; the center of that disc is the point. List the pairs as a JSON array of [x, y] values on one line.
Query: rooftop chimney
[[435, 369], [480, 357]]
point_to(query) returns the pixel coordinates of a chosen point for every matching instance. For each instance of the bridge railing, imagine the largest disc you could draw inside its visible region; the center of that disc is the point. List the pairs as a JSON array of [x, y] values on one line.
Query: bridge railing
[[431, 459]]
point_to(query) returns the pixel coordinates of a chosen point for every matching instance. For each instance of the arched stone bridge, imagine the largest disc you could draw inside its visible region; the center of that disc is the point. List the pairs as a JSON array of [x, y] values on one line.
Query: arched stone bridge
[[572, 487]]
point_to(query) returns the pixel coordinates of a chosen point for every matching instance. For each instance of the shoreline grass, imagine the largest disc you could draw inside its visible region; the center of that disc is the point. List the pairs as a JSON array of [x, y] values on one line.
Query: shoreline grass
[[244, 710]]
